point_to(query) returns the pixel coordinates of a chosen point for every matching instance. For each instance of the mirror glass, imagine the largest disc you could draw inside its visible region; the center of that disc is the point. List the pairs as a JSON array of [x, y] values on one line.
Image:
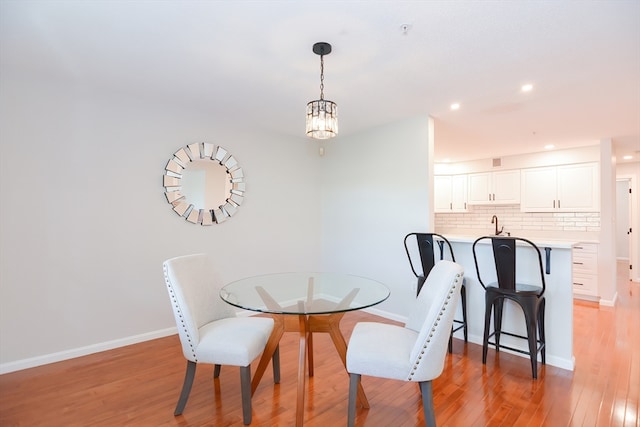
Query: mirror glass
[[204, 183]]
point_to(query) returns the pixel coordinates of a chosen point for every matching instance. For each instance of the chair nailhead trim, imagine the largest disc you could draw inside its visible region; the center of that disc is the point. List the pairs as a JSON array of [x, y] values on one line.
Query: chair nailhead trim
[[174, 300], [433, 329]]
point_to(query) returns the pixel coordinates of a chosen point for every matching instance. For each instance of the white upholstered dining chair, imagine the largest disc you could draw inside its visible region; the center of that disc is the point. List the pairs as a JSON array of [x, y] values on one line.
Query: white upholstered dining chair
[[415, 352], [209, 330]]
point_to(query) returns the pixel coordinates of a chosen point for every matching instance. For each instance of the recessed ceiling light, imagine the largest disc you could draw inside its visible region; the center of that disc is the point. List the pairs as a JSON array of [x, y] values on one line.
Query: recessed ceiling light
[[627, 157], [455, 106], [549, 147], [527, 88]]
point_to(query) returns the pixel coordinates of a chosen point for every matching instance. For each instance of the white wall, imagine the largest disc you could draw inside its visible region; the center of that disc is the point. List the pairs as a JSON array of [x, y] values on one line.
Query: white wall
[[606, 248], [375, 191], [85, 226]]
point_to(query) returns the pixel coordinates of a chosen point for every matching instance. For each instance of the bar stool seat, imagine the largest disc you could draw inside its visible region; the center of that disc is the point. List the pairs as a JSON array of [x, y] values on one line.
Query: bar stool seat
[[528, 296]]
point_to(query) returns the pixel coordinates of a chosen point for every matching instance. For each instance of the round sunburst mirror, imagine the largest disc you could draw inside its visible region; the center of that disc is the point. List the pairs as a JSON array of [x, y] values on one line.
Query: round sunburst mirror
[[204, 183]]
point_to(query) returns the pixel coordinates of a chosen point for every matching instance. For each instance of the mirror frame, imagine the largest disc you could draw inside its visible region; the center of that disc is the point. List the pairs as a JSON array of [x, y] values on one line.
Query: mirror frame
[[172, 182]]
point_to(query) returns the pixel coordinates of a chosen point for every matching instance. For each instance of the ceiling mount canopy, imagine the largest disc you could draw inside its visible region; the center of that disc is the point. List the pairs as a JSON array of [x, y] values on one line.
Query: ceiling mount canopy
[[322, 115]]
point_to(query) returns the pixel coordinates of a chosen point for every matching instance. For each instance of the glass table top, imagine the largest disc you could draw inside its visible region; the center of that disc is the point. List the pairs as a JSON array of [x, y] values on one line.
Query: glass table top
[[304, 293]]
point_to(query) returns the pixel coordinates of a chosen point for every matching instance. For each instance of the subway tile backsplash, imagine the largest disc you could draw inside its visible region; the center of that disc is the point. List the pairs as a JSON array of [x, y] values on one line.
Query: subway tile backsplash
[[479, 217]]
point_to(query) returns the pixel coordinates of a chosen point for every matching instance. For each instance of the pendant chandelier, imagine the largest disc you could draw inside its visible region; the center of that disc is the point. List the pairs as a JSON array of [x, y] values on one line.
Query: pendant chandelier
[[322, 115]]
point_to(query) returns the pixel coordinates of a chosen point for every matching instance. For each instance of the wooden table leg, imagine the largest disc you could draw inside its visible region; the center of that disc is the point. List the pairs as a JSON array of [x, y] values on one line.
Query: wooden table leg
[[310, 352], [270, 348], [302, 369]]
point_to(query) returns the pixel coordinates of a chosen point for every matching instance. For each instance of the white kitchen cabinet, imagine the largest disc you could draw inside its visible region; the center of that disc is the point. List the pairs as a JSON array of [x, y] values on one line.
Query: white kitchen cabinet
[[493, 188], [568, 188], [450, 193], [585, 270]]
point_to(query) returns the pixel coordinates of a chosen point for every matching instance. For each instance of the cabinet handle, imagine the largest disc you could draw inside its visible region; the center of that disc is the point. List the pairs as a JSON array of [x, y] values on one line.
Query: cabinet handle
[[578, 247], [579, 263], [451, 206], [579, 284], [558, 204], [554, 204], [465, 205]]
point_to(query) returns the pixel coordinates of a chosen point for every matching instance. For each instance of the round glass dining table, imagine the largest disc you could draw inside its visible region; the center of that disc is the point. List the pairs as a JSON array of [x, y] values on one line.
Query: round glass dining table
[[306, 303]]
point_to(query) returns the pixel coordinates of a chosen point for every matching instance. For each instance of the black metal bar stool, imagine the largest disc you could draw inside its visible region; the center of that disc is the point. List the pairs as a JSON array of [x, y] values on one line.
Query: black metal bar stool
[[424, 242], [528, 296]]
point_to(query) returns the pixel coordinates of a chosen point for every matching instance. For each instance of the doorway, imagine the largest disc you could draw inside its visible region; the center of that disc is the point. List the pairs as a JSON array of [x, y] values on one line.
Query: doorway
[[624, 215]]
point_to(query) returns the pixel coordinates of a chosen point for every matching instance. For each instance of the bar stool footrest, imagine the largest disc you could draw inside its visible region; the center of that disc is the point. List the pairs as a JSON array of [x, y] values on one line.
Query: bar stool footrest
[[541, 345]]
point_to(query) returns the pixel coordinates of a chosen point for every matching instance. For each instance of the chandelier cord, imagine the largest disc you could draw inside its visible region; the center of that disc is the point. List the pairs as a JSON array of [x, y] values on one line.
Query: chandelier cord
[[321, 77]]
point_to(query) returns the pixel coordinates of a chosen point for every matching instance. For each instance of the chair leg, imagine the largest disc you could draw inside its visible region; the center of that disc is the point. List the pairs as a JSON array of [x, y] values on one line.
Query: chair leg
[[275, 362], [354, 382], [245, 390], [186, 387], [487, 323], [530, 319], [427, 403], [497, 321], [216, 371], [463, 295], [541, 330]]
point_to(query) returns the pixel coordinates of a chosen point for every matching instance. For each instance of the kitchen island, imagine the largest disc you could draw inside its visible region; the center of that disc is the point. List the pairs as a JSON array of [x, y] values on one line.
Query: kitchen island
[[558, 295]]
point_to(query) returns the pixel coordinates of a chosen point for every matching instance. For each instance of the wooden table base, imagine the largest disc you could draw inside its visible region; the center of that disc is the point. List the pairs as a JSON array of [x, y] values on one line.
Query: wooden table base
[[305, 325]]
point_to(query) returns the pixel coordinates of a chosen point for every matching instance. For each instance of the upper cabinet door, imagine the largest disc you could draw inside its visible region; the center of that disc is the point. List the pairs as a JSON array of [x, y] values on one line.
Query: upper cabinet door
[[579, 188], [539, 190], [480, 189], [570, 188], [491, 188], [450, 193], [442, 193], [506, 187], [459, 193]]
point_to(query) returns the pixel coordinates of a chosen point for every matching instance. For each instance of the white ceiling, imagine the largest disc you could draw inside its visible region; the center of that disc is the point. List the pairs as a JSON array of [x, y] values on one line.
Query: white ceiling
[[251, 61]]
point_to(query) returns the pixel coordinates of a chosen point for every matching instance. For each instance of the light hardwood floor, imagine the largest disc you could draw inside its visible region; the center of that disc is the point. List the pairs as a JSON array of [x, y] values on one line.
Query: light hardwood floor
[[139, 385]]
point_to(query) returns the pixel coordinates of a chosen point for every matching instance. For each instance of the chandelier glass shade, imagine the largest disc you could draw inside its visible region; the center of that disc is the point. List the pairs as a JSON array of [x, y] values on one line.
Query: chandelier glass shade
[[322, 119], [322, 115]]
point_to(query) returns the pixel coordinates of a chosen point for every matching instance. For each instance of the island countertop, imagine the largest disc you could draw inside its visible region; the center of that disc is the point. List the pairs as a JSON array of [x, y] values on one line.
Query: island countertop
[[542, 242]]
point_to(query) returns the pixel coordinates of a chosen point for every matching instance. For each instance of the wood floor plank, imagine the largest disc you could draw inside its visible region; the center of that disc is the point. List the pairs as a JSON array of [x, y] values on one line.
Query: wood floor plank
[[139, 385]]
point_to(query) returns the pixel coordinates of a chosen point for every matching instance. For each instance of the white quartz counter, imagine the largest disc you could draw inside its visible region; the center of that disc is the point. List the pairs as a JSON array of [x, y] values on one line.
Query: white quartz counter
[[566, 240], [540, 242]]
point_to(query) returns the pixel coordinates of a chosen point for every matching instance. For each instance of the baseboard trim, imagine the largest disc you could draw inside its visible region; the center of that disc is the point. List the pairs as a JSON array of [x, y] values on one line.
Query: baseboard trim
[[386, 314], [611, 302], [32, 362], [568, 364], [46, 359]]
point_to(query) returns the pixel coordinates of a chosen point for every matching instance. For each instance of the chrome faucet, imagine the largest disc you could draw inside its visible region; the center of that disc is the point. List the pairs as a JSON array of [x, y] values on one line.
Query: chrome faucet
[[494, 220]]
